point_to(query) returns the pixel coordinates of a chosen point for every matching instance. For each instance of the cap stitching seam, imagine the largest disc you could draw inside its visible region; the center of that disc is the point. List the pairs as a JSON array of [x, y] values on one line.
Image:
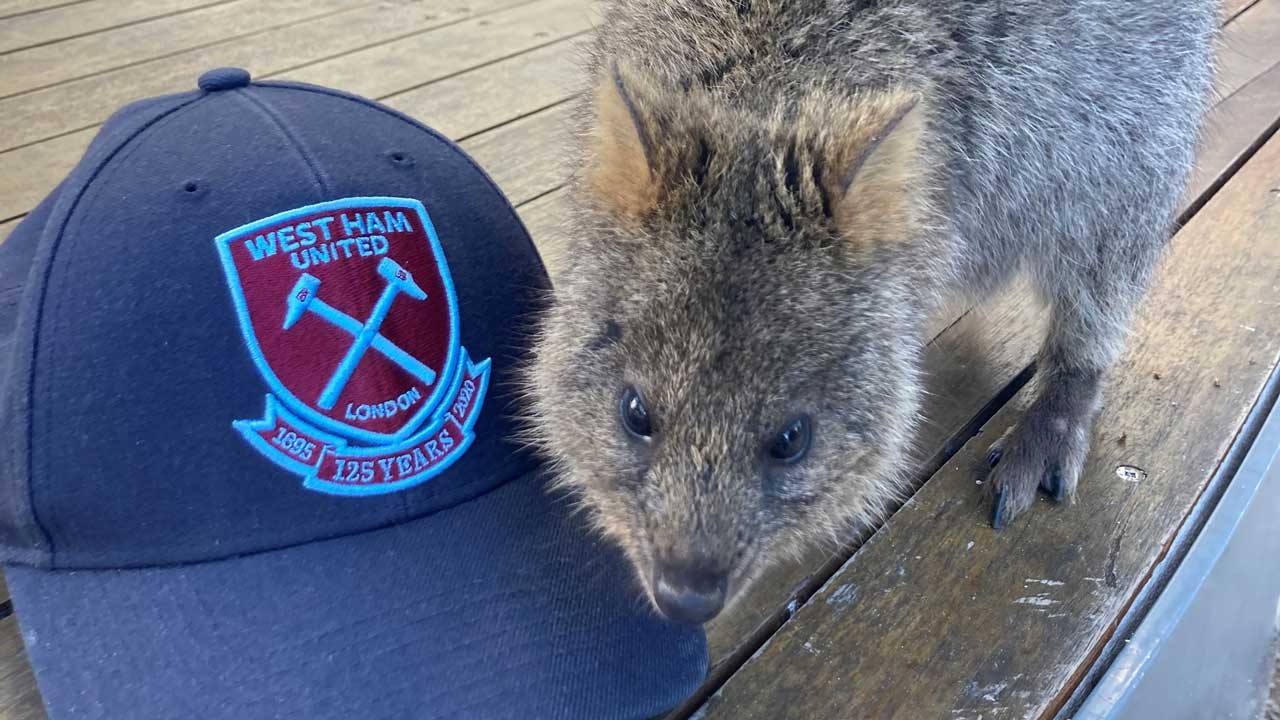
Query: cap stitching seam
[[40, 301], [274, 118], [450, 144]]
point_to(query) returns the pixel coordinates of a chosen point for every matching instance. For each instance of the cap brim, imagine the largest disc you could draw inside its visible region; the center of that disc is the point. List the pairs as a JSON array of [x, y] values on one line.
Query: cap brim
[[502, 607]]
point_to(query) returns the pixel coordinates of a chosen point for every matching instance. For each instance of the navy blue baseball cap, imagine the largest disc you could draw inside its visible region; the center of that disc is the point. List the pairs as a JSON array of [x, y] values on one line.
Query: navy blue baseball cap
[[259, 355]]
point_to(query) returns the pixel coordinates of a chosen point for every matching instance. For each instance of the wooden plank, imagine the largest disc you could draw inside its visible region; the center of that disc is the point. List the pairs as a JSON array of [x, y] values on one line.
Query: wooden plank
[[18, 194], [1251, 111], [1249, 46], [78, 104], [11, 8], [19, 698], [542, 217], [1232, 8], [75, 20], [525, 157], [382, 69], [46, 65], [477, 100], [28, 173], [1234, 125], [938, 616]]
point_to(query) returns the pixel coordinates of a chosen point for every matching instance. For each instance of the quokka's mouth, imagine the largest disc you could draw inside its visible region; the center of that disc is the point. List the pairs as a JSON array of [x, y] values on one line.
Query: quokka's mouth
[[699, 601]]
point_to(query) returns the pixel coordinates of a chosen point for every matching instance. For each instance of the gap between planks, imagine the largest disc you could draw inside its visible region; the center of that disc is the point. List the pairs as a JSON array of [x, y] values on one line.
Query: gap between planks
[[68, 23], [41, 67], [521, 26], [18, 8]]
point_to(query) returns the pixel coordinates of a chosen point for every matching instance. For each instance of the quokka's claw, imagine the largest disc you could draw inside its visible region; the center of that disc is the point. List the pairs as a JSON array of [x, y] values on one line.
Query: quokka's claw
[[998, 520], [994, 455]]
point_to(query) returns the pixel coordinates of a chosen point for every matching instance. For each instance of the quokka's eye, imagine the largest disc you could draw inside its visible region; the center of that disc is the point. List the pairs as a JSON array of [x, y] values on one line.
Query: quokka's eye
[[635, 416], [792, 442]]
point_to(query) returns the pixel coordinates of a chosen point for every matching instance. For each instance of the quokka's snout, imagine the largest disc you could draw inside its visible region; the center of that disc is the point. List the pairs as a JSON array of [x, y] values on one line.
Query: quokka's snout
[[771, 198]]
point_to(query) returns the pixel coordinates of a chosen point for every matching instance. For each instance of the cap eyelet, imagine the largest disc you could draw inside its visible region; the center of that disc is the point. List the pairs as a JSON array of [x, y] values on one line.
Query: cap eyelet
[[192, 189], [402, 159]]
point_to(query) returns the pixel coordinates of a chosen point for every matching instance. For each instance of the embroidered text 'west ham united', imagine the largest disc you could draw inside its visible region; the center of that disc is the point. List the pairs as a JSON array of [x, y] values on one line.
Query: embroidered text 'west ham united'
[[348, 311]]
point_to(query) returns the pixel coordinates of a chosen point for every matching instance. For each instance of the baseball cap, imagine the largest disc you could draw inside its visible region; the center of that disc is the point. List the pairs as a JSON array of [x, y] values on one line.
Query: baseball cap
[[259, 357]]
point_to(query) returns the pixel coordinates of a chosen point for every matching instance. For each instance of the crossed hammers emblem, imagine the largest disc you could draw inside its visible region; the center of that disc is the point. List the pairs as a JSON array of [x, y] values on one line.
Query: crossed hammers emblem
[[302, 298]]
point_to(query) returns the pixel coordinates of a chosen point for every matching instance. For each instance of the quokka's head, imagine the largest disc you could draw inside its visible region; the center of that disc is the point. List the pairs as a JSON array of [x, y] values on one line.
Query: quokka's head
[[727, 372]]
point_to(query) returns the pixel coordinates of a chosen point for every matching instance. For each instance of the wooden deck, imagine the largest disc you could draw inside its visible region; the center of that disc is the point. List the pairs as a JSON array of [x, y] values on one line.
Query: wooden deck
[[933, 615]]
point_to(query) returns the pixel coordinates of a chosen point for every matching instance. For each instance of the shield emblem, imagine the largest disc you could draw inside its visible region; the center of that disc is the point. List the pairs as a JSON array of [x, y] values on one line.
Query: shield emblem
[[348, 311]]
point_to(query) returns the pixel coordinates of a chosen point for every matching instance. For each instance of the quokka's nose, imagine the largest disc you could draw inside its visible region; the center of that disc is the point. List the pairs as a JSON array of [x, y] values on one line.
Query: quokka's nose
[[688, 593]]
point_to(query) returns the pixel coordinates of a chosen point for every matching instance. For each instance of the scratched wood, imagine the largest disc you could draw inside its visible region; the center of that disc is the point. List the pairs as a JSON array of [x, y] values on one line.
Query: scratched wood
[[79, 57], [84, 18], [938, 616], [78, 104]]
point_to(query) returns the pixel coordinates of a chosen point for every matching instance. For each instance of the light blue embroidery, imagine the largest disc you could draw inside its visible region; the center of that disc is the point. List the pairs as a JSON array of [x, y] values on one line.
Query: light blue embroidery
[[399, 281], [309, 443], [478, 370], [304, 411]]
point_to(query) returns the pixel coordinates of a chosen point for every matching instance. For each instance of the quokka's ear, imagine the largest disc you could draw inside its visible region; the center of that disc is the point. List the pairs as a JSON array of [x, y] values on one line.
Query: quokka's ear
[[620, 167], [874, 169]]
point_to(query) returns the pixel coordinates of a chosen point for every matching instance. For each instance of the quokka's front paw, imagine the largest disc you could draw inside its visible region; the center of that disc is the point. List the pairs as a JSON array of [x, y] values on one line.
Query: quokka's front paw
[[1039, 453]]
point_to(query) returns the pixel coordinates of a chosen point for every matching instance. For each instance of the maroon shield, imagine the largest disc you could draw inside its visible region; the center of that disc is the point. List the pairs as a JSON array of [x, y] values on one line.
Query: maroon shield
[[349, 313]]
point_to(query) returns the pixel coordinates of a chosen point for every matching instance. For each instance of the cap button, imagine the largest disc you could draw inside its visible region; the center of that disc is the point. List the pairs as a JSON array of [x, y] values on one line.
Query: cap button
[[224, 78]]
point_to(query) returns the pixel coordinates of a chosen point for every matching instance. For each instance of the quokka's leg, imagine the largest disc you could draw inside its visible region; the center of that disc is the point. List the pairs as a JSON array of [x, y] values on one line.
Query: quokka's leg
[[1092, 290]]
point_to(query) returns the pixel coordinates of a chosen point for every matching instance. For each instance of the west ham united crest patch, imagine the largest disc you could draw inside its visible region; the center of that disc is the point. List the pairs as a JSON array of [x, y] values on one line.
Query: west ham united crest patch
[[349, 314]]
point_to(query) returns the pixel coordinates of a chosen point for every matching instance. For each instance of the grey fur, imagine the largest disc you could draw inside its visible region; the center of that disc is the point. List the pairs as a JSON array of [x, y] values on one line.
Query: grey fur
[[1058, 137]]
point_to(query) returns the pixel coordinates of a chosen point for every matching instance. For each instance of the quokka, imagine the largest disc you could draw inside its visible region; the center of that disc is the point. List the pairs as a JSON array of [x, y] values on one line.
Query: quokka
[[771, 197]]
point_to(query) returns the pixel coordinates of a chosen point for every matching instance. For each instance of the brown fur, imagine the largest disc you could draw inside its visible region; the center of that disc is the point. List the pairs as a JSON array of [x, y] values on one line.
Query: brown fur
[[771, 197]]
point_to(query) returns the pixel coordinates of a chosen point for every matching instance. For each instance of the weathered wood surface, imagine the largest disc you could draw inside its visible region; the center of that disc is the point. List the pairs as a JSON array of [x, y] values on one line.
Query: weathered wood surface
[[85, 18], [938, 616], [526, 83], [544, 219], [27, 173], [19, 697], [14, 8], [399, 65], [79, 104], [1249, 45], [1231, 8], [1251, 111], [79, 57]]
